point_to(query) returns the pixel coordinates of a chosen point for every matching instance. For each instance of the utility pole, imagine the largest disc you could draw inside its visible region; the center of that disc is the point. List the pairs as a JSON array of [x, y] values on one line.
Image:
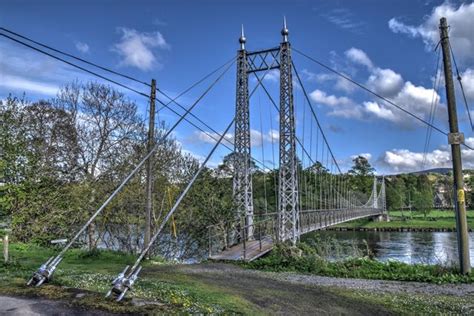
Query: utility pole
[[149, 165], [455, 139]]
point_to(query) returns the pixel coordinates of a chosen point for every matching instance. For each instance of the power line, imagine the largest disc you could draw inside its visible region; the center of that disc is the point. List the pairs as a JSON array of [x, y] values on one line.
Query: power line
[[375, 94], [75, 57], [434, 103], [75, 66], [462, 87]]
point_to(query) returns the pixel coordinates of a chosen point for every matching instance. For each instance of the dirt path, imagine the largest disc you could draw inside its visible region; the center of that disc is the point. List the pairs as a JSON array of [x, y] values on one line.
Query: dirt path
[[270, 294]]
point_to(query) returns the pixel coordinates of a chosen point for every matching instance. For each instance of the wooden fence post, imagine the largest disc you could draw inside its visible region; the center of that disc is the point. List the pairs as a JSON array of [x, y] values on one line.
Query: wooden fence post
[[5, 248]]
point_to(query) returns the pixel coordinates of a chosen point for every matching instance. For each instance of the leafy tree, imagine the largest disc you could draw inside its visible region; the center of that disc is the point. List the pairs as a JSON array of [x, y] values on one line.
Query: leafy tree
[[361, 173]]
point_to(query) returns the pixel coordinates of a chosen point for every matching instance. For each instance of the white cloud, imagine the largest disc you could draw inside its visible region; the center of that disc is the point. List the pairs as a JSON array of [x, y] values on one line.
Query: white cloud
[[416, 99], [136, 49], [367, 156], [345, 19], [321, 97], [404, 160], [358, 56], [340, 106], [82, 47], [378, 111], [468, 83], [341, 83], [211, 138], [390, 84], [26, 85], [460, 20], [385, 82]]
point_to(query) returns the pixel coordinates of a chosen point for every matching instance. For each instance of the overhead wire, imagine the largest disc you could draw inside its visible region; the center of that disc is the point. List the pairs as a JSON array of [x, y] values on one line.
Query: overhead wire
[[459, 78], [76, 66], [75, 57]]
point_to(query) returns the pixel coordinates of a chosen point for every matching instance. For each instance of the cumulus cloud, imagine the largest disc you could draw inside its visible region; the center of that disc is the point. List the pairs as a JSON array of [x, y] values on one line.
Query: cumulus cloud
[[385, 82], [404, 160], [390, 84], [82, 47], [136, 48], [340, 106], [321, 97], [367, 156], [358, 56], [468, 83], [460, 20], [341, 84]]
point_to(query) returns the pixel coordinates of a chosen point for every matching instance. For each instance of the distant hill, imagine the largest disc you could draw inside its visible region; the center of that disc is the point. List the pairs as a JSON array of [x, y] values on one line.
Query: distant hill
[[434, 170]]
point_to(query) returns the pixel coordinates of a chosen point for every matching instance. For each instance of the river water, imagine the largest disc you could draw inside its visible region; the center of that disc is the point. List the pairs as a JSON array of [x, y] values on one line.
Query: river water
[[408, 247]]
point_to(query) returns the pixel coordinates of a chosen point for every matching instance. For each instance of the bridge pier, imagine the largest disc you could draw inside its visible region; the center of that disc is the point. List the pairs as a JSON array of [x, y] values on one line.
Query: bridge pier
[[381, 218]]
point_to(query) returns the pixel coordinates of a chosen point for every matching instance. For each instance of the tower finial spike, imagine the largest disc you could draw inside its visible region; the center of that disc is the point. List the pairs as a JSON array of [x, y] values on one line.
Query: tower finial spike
[[242, 39], [285, 31]]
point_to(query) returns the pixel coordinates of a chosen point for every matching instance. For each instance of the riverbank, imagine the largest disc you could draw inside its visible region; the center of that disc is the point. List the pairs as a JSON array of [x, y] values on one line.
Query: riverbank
[[434, 221], [82, 279]]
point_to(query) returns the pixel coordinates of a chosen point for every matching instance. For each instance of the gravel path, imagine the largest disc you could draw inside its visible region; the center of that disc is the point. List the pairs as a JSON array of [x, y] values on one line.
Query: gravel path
[[359, 284]]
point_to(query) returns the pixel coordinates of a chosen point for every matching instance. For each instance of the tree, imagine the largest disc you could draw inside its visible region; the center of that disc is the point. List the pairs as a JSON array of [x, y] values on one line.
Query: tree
[[361, 173], [396, 193]]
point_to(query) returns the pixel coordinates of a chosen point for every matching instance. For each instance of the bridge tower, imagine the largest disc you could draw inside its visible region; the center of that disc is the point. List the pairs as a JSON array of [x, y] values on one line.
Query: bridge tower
[[242, 182], [253, 62], [374, 192], [288, 208]]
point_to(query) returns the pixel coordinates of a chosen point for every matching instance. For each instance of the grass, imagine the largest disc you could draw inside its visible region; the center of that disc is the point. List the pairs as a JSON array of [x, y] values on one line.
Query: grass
[[93, 272], [307, 260], [435, 220]]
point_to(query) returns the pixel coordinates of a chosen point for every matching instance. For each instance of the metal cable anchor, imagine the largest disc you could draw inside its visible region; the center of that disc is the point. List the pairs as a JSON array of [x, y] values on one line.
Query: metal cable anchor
[[121, 284], [45, 272]]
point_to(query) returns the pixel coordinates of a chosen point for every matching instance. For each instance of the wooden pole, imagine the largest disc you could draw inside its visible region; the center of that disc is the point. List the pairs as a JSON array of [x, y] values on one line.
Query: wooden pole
[[149, 166], [455, 138]]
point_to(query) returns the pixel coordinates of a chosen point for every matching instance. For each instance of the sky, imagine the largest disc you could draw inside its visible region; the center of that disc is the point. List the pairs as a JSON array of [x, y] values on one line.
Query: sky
[[389, 46]]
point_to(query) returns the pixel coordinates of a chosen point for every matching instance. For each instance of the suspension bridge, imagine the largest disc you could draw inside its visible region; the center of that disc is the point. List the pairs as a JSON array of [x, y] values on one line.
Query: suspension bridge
[[312, 192]]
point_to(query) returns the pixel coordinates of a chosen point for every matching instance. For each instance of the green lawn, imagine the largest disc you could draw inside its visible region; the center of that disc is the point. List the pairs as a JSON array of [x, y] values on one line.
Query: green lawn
[[94, 272]]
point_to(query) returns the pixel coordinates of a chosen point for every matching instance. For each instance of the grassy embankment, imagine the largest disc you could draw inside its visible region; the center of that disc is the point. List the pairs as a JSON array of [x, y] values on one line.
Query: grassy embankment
[[434, 221], [311, 257], [173, 291], [93, 272]]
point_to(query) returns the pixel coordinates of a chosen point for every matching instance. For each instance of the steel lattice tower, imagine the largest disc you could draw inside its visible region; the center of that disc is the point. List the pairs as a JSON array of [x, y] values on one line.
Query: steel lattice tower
[[242, 183], [288, 183]]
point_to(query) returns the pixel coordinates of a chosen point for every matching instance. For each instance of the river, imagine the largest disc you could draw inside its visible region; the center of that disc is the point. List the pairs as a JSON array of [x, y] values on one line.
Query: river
[[408, 247]]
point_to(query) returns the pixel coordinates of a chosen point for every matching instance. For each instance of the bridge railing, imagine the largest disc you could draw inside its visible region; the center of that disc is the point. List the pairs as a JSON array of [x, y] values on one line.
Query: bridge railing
[[222, 237], [316, 219]]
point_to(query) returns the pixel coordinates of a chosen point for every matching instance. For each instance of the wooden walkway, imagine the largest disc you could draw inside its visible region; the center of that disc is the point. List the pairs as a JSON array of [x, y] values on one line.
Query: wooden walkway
[[252, 250]]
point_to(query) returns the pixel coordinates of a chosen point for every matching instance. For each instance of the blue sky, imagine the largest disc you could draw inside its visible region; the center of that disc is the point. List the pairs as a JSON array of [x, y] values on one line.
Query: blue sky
[[387, 45]]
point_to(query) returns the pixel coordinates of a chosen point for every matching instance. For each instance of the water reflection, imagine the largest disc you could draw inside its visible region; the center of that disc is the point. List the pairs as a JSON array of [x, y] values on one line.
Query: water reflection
[[408, 247]]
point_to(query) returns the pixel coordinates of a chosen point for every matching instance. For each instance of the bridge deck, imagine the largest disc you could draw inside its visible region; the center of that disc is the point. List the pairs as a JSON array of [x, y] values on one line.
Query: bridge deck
[[255, 249], [252, 250]]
